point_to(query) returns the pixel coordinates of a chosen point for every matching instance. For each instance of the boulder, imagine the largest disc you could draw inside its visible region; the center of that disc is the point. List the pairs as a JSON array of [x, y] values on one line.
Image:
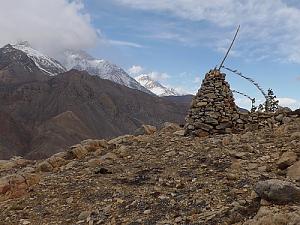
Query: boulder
[[145, 130], [170, 127], [44, 166], [287, 159], [94, 145], [121, 140], [56, 162], [277, 191], [266, 216], [149, 129], [78, 151]]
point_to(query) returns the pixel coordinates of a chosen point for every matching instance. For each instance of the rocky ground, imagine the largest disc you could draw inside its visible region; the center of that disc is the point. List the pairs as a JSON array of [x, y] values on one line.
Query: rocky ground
[[160, 177]]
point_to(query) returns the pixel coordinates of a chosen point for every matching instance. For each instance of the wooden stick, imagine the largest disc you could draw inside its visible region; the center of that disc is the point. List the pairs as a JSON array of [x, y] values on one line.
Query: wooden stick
[[236, 33]]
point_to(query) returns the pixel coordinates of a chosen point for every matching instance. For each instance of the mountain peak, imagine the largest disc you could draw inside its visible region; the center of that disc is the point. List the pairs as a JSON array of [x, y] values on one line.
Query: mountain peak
[[81, 60], [45, 63], [155, 87], [23, 43]]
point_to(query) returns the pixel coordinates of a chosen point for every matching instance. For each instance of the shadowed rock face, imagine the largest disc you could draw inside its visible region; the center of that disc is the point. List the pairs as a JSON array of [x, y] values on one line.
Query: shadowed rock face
[[41, 115]]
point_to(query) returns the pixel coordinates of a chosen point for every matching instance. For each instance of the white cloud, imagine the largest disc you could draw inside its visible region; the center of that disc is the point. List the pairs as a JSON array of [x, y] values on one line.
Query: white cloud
[[49, 25], [158, 76], [270, 28], [289, 102], [124, 43], [135, 70]]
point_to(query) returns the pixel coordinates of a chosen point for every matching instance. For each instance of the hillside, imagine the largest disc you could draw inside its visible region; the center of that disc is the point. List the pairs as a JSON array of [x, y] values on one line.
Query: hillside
[[160, 178]]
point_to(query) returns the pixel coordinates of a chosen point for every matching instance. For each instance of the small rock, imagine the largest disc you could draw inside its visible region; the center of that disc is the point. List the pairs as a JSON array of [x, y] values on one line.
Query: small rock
[[109, 156], [148, 211], [179, 133], [69, 200], [84, 215], [94, 162], [279, 117]]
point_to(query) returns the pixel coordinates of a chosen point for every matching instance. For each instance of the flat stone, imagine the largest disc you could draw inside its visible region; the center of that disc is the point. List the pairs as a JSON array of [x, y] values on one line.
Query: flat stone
[[211, 121], [223, 126], [201, 104], [203, 126]]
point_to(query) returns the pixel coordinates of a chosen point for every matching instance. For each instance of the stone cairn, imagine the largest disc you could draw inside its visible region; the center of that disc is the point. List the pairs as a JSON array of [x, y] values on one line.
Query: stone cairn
[[213, 110]]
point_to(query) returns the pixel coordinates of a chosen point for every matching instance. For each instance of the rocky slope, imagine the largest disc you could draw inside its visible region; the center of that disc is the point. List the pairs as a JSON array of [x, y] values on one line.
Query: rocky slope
[[160, 177], [82, 61], [155, 87]]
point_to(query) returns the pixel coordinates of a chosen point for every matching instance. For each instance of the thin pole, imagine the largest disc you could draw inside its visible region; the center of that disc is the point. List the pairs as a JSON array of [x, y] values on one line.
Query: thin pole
[[236, 33]]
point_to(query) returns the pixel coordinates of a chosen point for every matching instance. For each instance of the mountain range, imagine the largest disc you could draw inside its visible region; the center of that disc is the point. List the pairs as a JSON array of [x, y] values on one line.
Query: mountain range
[[82, 61], [45, 109]]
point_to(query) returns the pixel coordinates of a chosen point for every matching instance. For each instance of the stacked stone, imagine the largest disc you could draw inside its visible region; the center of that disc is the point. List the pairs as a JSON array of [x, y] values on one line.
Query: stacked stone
[[213, 110]]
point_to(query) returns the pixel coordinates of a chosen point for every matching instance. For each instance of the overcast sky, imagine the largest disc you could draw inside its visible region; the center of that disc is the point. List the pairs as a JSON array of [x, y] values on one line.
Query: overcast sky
[[175, 41]]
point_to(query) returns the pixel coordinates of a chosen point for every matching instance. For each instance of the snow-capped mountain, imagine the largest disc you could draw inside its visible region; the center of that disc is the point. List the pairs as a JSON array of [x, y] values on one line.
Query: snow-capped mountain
[[156, 87], [80, 60], [45, 63]]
